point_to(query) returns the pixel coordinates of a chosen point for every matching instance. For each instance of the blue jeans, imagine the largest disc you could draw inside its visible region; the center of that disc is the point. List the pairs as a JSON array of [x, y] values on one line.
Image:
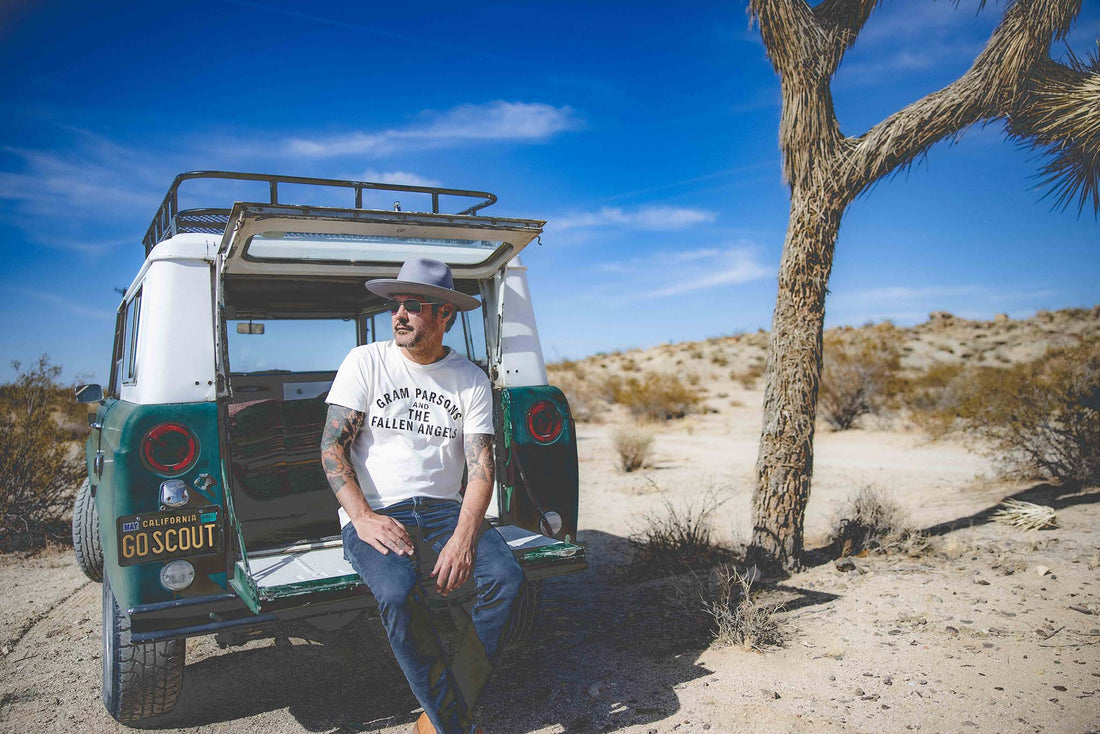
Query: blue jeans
[[400, 585]]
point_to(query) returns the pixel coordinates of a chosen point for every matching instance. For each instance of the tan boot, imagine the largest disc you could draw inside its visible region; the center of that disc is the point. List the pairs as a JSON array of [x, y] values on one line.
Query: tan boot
[[423, 725]]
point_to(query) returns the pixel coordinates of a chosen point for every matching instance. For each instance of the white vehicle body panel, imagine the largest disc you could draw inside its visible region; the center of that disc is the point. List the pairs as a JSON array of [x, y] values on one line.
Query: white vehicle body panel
[[175, 344]]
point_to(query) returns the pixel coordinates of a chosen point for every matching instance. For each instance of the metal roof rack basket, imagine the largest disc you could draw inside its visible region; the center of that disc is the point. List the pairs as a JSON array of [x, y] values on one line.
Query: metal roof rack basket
[[169, 220]]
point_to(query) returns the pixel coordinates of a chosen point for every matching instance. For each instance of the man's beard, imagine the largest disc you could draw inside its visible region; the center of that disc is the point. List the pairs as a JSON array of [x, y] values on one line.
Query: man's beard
[[411, 338]]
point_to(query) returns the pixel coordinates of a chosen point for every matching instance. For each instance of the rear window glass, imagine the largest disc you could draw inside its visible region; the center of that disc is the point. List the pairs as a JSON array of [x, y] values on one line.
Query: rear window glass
[[290, 345], [311, 247]]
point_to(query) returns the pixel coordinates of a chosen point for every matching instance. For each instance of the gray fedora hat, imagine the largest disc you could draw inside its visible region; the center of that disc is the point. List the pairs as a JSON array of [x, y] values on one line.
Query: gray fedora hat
[[423, 276]]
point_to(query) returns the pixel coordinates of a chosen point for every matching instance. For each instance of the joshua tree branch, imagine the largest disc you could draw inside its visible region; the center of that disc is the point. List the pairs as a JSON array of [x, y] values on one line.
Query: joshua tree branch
[[1058, 112], [791, 33], [987, 90], [843, 19]]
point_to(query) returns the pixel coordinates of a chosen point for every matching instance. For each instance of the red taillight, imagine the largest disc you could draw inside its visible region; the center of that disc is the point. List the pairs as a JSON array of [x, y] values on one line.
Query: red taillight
[[544, 421], [169, 448]]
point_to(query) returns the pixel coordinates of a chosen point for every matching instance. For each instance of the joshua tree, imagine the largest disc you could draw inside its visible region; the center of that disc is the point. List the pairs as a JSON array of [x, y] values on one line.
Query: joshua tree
[[1052, 106]]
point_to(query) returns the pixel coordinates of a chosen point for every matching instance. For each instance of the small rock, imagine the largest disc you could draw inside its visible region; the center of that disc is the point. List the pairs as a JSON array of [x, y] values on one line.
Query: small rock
[[887, 681], [1042, 570], [769, 693], [1060, 688], [952, 630], [981, 582], [845, 564], [859, 692]]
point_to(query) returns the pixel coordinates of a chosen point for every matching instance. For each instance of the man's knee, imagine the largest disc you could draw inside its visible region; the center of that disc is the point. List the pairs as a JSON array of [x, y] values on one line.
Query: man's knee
[[505, 580], [391, 590]]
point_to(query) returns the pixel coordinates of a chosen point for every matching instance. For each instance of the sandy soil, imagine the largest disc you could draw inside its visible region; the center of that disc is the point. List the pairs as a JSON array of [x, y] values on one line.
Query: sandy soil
[[994, 630]]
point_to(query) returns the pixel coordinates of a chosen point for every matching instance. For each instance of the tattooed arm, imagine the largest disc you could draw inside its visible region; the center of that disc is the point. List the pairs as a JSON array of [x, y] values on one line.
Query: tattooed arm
[[342, 425], [456, 560]]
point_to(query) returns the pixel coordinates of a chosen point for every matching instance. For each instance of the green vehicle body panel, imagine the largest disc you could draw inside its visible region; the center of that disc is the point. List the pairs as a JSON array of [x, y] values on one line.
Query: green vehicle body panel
[[550, 469], [127, 486]]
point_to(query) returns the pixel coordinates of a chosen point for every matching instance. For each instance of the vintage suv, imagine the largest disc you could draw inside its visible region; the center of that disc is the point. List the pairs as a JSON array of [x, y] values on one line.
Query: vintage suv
[[206, 510]]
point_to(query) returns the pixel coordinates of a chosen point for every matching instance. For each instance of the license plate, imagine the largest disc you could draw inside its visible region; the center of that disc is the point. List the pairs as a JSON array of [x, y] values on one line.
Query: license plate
[[159, 536]]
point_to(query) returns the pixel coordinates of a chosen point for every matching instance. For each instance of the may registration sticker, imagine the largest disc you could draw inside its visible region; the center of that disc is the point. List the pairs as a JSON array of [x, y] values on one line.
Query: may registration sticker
[[159, 536]]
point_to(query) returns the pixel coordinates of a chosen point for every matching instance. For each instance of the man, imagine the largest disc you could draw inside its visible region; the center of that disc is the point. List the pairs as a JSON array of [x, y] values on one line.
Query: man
[[405, 418]]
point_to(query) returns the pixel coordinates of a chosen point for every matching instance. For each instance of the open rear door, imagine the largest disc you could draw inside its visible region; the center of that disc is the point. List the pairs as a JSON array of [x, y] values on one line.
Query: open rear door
[[273, 240]]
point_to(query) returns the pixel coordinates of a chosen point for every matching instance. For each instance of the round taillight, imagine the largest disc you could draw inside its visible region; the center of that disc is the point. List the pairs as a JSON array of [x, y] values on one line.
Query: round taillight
[[544, 421], [169, 448]]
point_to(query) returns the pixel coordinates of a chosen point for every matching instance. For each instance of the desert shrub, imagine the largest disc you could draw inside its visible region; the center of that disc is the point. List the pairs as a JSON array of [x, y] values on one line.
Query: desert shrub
[[583, 392], [678, 539], [871, 522], [40, 466], [632, 446], [655, 396], [748, 376], [739, 616], [1041, 418], [858, 373]]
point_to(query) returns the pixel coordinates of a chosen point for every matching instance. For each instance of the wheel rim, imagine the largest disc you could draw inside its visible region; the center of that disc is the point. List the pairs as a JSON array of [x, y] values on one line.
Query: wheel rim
[[109, 650]]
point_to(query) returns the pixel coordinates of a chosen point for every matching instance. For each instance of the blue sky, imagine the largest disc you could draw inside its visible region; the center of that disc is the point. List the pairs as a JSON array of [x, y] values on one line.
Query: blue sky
[[645, 134]]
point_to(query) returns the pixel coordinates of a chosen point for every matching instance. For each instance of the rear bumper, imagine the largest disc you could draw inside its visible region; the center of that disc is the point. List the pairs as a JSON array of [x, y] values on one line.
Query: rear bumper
[[207, 615]]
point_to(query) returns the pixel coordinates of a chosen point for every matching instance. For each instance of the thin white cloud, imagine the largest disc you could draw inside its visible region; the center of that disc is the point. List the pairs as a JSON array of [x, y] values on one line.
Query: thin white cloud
[[676, 271], [397, 177], [64, 199], [728, 268], [649, 218], [76, 309], [530, 122]]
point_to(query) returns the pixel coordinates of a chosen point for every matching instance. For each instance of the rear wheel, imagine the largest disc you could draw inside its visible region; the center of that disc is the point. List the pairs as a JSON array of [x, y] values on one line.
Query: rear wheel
[[142, 680], [524, 614], [86, 545]]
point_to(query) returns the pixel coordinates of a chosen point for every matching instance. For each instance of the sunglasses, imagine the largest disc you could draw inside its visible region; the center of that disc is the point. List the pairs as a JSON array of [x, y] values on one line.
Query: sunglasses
[[411, 305]]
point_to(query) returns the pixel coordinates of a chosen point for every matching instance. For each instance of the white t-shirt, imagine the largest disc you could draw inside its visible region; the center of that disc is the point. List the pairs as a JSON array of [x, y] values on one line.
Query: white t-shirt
[[410, 444]]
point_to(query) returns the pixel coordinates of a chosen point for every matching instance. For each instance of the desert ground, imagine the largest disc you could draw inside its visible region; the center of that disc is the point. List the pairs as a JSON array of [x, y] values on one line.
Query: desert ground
[[993, 629]]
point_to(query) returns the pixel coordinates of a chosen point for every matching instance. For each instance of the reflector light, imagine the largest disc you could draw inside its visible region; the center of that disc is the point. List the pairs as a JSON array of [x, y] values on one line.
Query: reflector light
[[555, 522], [169, 448], [177, 575], [544, 421]]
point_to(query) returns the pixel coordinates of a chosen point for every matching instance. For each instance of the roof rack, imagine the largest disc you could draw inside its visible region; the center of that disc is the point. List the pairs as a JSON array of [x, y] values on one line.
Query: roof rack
[[169, 220]]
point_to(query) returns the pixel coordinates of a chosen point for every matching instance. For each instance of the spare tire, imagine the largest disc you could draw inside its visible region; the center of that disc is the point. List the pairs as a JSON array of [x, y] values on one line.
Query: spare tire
[[86, 545]]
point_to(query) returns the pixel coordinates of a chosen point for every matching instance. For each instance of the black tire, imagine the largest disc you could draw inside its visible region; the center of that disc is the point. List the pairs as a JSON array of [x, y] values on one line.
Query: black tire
[[139, 681], [86, 544], [525, 614]]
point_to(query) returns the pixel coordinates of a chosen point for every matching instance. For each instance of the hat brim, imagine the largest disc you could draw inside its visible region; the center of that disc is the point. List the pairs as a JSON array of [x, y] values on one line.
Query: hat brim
[[388, 288]]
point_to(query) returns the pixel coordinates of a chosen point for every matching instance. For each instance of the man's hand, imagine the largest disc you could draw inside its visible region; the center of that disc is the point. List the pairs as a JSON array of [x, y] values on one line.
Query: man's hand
[[455, 563], [384, 533]]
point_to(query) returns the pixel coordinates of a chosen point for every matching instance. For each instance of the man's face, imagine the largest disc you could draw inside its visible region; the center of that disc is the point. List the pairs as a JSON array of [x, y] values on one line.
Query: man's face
[[425, 328]]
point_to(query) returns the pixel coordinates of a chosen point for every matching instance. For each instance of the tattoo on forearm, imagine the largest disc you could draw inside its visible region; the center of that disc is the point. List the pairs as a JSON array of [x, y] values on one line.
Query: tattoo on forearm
[[341, 427], [479, 457]]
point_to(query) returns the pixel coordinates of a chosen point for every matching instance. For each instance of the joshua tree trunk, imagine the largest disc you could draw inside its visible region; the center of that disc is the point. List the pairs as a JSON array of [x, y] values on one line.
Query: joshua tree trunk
[[786, 457], [1052, 106]]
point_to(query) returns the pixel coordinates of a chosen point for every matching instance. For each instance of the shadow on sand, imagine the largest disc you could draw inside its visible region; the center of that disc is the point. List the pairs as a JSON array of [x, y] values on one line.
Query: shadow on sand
[[605, 655]]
